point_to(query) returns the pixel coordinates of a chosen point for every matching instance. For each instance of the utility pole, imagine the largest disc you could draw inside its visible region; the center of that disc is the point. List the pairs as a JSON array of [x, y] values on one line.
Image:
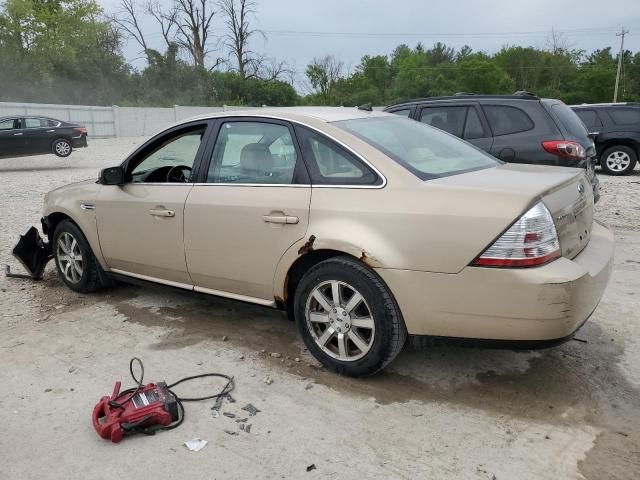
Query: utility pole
[[621, 34]]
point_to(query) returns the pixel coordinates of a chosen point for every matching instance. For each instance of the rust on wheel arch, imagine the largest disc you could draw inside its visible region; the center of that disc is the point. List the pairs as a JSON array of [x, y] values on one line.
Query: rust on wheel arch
[[308, 246]]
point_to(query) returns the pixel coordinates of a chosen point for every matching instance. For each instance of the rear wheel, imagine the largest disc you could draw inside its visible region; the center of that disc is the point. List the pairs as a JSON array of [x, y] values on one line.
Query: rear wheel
[[348, 318], [618, 160], [62, 147], [75, 262]]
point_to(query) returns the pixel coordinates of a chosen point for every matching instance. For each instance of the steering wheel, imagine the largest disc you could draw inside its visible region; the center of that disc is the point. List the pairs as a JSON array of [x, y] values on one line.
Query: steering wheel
[[177, 174]]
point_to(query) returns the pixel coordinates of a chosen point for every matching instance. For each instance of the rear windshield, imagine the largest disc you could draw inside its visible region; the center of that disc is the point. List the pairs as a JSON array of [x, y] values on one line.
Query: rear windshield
[[425, 151], [570, 120]]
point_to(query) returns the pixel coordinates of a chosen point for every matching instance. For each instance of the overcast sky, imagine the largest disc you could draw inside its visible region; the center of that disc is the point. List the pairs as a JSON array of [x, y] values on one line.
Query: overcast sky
[[299, 30]]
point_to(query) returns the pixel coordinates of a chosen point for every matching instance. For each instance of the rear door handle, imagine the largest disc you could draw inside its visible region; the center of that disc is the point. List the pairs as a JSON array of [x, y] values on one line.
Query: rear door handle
[[161, 212], [16, 134], [281, 219]]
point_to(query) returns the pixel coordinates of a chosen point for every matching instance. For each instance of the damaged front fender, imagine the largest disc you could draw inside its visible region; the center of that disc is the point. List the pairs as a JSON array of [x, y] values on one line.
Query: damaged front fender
[[33, 253]]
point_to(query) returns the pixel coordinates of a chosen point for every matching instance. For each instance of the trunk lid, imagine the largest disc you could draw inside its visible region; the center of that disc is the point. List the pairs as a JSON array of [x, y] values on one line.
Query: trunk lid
[[515, 188], [571, 205]]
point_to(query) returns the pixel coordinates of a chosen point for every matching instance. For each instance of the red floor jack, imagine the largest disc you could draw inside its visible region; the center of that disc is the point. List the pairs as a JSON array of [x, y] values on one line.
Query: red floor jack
[[146, 408]]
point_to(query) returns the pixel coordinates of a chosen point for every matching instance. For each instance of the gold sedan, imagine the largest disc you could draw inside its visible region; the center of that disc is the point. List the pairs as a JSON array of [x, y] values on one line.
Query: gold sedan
[[365, 226]]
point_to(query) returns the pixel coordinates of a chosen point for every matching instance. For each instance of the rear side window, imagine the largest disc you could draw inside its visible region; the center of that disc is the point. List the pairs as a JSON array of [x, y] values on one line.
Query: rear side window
[[35, 122], [449, 119], [330, 164], [253, 152], [625, 116], [505, 120], [569, 119], [590, 119]]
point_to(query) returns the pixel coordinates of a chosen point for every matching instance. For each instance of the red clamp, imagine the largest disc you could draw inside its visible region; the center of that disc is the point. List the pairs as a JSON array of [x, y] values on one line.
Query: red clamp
[[106, 419]]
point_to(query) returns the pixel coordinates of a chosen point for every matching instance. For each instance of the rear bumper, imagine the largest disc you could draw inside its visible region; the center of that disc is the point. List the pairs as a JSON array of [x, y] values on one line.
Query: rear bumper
[[79, 142], [536, 304]]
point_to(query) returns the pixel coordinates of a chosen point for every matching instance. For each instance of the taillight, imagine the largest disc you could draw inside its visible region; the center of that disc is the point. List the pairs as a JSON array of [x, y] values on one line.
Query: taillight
[[563, 148], [530, 242], [81, 130]]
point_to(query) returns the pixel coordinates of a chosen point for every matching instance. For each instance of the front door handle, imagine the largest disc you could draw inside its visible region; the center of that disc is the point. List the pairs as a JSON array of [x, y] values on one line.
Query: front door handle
[[161, 212], [280, 219], [16, 134]]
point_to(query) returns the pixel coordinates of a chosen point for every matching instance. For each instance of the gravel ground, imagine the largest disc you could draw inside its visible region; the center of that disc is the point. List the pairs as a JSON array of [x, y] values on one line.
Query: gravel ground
[[439, 412]]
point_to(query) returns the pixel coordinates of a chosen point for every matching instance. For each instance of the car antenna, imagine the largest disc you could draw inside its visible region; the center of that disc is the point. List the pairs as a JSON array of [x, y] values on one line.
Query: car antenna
[[367, 107]]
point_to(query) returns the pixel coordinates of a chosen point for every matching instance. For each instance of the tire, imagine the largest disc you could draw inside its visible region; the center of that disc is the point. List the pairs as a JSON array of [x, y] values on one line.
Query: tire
[[380, 332], [618, 160], [90, 277], [62, 147]]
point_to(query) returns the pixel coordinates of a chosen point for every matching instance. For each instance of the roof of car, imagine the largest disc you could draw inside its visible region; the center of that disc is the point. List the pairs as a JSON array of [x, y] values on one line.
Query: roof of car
[[616, 104], [326, 114], [520, 95]]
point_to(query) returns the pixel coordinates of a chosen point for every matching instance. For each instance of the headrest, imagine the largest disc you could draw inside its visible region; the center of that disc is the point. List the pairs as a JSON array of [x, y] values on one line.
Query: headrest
[[256, 156]]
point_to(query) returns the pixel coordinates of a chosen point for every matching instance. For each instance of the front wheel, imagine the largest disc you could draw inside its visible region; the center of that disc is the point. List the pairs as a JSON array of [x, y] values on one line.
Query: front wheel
[[75, 262], [62, 147], [618, 160], [348, 318]]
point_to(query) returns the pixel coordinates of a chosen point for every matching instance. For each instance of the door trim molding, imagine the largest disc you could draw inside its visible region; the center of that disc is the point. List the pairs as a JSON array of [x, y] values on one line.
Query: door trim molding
[[207, 291], [236, 296], [184, 286]]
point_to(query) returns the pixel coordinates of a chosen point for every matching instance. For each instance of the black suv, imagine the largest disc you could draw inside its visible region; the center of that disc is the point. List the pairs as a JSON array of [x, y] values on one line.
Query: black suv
[[616, 129], [519, 128]]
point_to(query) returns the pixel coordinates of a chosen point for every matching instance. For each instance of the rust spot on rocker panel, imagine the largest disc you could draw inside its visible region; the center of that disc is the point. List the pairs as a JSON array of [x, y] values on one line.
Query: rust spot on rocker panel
[[308, 246]]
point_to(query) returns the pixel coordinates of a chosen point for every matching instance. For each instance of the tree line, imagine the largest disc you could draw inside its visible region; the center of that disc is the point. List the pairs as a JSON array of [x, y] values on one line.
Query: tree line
[[70, 51]]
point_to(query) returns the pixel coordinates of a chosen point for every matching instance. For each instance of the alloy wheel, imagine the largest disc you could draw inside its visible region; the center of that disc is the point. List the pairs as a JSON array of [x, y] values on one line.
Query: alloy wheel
[[63, 148], [340, 321], [69, 257], [618, 161]]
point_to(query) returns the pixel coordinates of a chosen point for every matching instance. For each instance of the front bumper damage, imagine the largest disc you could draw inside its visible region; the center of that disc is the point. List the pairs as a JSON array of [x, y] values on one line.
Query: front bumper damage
[[33, 253]]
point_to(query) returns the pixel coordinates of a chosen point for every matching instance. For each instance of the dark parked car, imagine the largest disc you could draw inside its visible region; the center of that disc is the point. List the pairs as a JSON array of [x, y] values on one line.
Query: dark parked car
[[518, 128], [26, 135], [616, 129]]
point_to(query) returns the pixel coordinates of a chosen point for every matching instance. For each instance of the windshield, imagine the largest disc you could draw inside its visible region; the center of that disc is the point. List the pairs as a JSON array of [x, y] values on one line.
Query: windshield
[[425, 151]]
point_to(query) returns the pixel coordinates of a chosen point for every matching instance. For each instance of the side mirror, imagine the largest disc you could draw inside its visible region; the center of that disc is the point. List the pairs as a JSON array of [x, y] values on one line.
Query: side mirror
[[112, 176]]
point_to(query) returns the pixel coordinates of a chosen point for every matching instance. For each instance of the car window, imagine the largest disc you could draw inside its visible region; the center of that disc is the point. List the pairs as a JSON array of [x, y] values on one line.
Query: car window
[[402, 113], [625, 116], [505, 120], [569, 119], [590, 119], [253, 152], [34, 122], [449, 119], [8, 124], [52, 123], [473, 126], [331, 164], [426, 152], [179, 149]]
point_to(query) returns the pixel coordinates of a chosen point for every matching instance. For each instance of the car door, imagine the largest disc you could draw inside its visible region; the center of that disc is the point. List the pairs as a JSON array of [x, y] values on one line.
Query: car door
[[516, 138], [35, 136], [10, 137], [252, 204], [140, 223]]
